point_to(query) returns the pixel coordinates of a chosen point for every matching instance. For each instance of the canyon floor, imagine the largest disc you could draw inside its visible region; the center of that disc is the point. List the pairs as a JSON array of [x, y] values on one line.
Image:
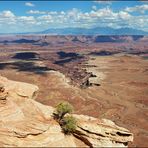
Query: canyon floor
[[117, 89], [121, 96]]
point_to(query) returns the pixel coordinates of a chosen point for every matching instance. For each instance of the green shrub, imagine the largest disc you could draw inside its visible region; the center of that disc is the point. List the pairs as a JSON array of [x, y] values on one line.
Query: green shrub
[[68, 124], [62, 109]]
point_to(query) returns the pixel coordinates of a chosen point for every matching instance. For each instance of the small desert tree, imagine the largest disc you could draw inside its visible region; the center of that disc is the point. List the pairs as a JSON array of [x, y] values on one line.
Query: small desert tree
[[62, 109], [67, 123]]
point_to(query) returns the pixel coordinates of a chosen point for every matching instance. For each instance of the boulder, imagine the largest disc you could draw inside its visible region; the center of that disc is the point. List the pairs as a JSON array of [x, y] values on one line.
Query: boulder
[[19, 89]]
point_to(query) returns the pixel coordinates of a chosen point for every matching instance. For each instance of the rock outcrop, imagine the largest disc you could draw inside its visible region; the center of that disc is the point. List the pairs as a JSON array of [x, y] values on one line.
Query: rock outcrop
[[3, 94], [25, 122], [101, 133]]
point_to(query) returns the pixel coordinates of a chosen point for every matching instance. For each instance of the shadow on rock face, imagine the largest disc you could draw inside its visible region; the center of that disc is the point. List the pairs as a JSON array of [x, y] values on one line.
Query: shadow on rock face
[[102, 53], [25, 66], [26, 56], [67, 57], [63, 55]]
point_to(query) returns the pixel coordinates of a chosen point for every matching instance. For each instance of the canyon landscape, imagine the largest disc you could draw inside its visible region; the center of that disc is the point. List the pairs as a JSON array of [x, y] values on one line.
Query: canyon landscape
[[104, 77], [74, 73]]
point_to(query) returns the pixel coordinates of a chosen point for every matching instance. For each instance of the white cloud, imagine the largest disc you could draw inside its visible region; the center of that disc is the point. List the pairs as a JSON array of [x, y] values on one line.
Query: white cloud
[[26, 18], [124, 15], [76, 18], [62, 12], [41, 20], [140, 8], [29, 4], [7, 17], [36, 12], [52, 12], [45, 17], [103, 13], [94, 7], [7, 13], [42, 12]]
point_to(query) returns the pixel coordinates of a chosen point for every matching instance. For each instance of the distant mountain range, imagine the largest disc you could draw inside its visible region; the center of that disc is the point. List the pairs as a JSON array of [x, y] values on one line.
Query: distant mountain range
[[89, 31], [94, 31]]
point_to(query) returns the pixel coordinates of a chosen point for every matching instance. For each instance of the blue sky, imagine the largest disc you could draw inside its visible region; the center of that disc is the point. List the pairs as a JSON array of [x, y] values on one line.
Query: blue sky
[[32, 16]]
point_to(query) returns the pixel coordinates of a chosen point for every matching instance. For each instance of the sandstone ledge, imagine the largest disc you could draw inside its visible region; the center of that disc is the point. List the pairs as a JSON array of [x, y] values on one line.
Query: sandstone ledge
[[25, 122]]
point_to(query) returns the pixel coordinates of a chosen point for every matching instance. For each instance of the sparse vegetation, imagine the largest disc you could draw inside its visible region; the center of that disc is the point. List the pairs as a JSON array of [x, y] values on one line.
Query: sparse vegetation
[[67, 123], [62, 109]]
